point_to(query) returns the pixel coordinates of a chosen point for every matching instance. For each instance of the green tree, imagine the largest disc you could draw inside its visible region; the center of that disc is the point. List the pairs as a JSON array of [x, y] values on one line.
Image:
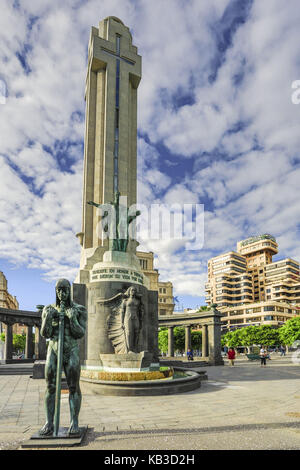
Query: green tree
[[179, 338], [249, 336], [196, 339], [19, 341], [267, 336], [163, 340], [290, 331], [232, 339]]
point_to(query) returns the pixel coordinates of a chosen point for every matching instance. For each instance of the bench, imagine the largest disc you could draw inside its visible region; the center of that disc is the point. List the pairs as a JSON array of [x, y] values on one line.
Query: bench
[[255, 357]]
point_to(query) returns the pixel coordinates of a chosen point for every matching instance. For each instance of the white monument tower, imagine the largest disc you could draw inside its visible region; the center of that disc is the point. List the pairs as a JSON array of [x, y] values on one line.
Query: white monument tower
[[109, 267], [110, 156]]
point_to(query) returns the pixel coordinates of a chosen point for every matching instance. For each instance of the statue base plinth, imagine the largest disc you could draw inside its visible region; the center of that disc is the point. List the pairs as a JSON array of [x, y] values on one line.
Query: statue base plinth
[[64, 439], [117, 266], [130, 361]]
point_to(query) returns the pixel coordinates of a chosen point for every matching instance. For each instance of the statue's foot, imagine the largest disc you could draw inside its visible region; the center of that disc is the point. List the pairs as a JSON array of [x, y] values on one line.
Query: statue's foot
[[74, 429], [46, 430]]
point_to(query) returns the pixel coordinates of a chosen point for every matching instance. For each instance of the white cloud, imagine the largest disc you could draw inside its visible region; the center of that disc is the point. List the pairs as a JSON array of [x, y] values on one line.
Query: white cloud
[[241, 129]]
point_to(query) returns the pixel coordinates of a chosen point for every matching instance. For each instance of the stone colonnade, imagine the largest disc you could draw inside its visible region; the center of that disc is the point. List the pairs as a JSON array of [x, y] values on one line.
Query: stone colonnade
[[30, 320], [210, 323]]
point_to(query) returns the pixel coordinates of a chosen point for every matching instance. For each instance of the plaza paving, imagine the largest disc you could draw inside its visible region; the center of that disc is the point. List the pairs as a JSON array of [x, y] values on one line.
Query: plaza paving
[[240, 407]]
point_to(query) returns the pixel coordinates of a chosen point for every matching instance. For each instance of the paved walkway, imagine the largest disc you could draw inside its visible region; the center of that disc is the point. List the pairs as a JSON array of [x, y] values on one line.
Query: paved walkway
[[240, 407]]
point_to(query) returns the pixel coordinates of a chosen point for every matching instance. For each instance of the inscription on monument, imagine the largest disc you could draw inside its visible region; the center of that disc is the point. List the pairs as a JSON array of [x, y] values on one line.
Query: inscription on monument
[[116, 274]]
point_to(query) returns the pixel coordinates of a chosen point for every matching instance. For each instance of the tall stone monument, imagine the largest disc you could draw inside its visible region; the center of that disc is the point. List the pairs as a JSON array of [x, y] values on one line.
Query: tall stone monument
[[122, 311], [110, 156]]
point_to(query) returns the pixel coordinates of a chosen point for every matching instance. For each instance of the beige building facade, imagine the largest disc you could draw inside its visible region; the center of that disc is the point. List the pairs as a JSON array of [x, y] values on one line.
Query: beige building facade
[[8, 301], [164, 289], [249, 287]]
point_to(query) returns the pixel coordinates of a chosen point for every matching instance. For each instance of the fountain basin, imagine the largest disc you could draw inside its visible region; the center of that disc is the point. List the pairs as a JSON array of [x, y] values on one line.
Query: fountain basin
[[180, 382], [121, 376]]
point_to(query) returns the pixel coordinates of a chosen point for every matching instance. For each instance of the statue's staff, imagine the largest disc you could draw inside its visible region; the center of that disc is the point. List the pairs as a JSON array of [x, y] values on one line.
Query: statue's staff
[[60, 346]]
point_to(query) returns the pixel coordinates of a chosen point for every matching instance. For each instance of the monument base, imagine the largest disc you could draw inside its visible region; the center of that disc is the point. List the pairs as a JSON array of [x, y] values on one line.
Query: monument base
[[62, 440], [187, 381], [39, 370], [131, 361]]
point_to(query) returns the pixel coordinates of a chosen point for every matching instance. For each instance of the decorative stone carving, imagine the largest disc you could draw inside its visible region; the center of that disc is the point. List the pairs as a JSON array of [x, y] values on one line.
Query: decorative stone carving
[[125, 321]]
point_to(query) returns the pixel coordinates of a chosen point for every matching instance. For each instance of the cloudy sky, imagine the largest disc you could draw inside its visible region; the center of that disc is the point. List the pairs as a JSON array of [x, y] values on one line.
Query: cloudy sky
[[216, 126]]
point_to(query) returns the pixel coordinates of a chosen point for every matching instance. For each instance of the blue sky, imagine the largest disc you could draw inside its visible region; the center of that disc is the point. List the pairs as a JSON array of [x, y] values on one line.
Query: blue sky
[[216, 126]]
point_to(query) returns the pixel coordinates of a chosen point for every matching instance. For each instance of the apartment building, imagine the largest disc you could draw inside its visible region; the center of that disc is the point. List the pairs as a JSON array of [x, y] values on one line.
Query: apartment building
[[267, 313], [164, 289], [247, 285]]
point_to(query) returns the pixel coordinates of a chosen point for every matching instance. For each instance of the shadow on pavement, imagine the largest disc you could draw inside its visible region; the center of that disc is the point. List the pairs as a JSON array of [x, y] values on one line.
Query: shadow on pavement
[[94, 435]]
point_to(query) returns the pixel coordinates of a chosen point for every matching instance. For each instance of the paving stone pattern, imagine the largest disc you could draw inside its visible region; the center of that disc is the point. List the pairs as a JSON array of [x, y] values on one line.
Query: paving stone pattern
[[240, 407]]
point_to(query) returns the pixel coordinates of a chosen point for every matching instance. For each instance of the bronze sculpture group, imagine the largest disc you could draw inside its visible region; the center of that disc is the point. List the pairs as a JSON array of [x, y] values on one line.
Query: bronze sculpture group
[[117, 222]]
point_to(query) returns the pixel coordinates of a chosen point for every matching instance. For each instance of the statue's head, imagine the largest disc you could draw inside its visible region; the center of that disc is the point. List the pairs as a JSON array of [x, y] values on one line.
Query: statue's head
[[132, 291], [63, 291]]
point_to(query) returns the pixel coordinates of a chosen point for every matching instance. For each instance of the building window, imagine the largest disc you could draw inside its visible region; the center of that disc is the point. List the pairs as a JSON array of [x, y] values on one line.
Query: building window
[[144, 263]]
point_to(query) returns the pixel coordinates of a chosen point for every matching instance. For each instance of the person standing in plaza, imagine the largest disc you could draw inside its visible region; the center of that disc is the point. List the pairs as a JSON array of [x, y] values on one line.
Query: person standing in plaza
[[231, 356], [190, 355], [282, 351], [263, 356]]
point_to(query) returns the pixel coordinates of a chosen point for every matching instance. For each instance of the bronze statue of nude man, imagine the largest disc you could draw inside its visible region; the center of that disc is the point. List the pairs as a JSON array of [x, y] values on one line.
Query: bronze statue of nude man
[[75, 317]]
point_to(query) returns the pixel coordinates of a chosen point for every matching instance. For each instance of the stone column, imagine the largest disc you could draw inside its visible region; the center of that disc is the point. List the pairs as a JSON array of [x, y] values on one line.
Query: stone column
[[40, 345], [204, 341], [8, 342], [153, 320], [29, 343], [188, 341], [79, 296], [171, 341], [214, 343]]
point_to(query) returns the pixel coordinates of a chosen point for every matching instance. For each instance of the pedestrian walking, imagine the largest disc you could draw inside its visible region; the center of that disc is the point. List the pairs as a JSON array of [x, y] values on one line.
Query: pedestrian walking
[[231, 356], [282, 351], [263, 356]]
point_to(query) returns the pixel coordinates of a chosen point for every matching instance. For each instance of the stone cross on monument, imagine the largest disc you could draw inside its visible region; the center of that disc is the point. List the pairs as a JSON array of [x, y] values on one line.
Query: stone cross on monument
[[113, 76], [118, 57]]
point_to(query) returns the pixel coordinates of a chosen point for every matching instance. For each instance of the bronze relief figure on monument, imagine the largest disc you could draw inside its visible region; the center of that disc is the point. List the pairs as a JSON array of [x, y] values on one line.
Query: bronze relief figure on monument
[[126, 321]]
